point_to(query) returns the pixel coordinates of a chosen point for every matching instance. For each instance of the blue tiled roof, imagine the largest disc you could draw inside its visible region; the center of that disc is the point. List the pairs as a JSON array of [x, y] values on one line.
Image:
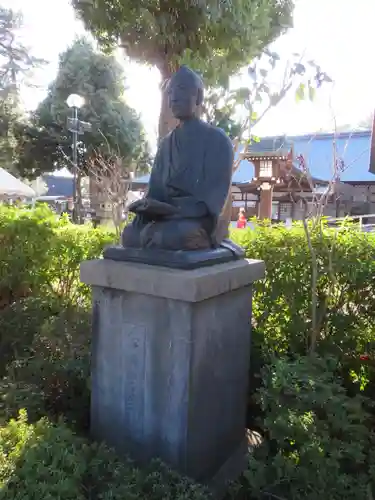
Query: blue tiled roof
[[142, 180], [353, 148], [277, 144], [317, 149]]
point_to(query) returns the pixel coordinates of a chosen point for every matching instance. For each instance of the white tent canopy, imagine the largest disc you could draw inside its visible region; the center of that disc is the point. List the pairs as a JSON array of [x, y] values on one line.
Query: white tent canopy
[[11, 186]]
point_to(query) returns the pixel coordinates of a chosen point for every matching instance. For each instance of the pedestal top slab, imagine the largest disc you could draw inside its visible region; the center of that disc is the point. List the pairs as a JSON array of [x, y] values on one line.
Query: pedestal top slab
[[190, 286]]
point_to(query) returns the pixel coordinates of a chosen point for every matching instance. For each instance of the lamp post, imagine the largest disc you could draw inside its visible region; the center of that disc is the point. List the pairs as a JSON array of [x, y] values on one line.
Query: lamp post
[[75, 102]]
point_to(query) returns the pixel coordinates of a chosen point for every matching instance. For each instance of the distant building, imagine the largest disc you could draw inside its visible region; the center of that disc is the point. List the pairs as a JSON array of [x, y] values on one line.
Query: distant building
[[58, 185], [372, 152], [270, 175]]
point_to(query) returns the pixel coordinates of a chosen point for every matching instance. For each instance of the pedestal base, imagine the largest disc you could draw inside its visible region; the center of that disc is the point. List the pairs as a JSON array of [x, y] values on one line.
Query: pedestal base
[[182, 259], [170, 363], [234, 466]]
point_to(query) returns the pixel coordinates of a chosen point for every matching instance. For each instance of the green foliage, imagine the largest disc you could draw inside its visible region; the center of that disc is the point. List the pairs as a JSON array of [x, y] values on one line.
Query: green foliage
[[16, 61], [41, 253], [116, 129], [217, 38], [39, 147], [20, 322], [9, 119], [51, 376], [316, 412], [24, 251], [16, 66], [345, 295], [71, 246], [44, 318], [48, 461], [45, 354], [318, 440], [219, 109]]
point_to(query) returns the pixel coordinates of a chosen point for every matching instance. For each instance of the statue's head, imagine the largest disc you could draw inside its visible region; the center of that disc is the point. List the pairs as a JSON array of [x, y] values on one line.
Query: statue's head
[[185, 91]]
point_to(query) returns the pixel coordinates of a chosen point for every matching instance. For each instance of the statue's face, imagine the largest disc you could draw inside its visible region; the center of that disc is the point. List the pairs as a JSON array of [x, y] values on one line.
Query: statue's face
[[183, 97]]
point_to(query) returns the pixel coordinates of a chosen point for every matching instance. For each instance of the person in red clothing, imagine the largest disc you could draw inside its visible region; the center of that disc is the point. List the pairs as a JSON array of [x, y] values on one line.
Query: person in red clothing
[[241, 221]]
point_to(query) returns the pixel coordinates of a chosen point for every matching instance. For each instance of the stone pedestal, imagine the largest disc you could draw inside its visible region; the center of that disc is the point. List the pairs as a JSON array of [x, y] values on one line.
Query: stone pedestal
[[170, 363]]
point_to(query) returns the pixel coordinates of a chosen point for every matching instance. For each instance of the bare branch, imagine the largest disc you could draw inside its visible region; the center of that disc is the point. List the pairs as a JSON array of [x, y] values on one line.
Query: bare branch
[[112, 180]]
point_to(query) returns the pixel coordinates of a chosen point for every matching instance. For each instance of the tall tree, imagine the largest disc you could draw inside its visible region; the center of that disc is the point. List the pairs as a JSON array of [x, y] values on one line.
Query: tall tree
[[116, 128], [216, 37], [16, 66]]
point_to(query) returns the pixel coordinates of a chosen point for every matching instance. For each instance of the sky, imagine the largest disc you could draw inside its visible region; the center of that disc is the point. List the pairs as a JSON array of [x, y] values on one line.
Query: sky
[[335, 33]]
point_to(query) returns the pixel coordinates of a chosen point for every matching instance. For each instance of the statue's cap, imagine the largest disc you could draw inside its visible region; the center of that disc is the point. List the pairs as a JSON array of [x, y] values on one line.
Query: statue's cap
[[189, 76]]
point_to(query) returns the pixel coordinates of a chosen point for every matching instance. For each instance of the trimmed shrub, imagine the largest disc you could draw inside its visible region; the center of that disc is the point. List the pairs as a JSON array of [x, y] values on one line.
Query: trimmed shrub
[[45, 461], [40, 254], [315, 411], [25, 240], [20, 322], [71, 246], [53, 376], [345, 289], [317, 438]]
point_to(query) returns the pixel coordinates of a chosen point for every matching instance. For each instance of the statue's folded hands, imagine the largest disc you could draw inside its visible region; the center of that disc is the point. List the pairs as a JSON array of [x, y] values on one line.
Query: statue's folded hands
[[149, 206]]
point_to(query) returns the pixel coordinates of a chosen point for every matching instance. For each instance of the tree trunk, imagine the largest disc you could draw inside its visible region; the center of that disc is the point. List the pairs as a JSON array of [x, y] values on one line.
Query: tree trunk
[[167, 121]]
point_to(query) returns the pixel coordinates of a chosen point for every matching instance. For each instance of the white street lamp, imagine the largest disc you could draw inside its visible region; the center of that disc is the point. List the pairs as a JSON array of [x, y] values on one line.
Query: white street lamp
[[75, 101]]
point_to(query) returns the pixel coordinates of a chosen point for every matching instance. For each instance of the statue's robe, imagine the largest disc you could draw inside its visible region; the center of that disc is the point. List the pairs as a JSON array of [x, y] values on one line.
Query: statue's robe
[[192, 171]]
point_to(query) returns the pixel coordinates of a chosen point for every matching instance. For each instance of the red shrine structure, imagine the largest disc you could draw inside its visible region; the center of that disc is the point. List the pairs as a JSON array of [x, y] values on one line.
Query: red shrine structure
[[279, 181]]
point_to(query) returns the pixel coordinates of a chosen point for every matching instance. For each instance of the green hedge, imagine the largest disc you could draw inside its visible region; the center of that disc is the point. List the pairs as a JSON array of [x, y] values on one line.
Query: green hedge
[[318, 440], [45, 353], [345, 288], [40, 254], [45, 314], [315, 412], [46, 461]]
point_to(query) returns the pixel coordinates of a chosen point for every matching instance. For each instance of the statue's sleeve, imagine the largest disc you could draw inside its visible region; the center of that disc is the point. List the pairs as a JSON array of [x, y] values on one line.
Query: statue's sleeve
[[218, 165]]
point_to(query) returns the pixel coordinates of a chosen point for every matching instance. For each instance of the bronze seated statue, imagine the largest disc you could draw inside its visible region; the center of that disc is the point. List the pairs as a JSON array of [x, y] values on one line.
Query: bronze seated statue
[[176, 221]]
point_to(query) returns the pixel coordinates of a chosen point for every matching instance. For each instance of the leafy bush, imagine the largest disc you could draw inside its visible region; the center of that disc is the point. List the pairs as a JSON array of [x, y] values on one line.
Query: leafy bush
[[315, 412], [41, 253], [52, 376], [20, 322], [345, 289], [45, 351], [71, 246], [25, 240], [317, 438], [48, 461], [45, 337]]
